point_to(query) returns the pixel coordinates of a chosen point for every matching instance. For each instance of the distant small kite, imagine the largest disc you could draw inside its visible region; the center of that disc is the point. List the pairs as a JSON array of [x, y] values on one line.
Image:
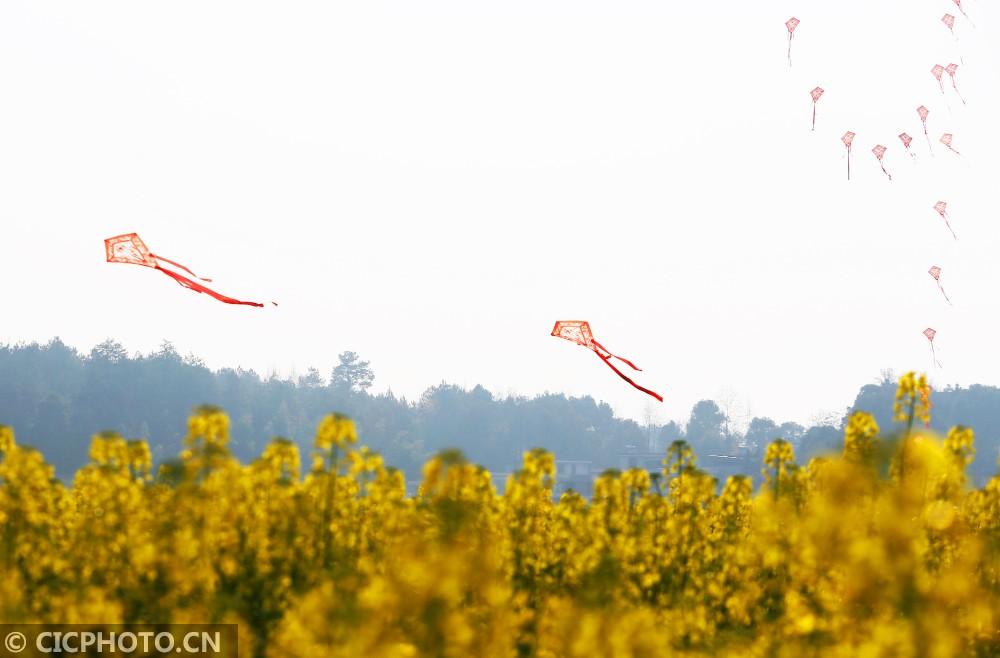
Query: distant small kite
[[947, 139], [952, 69], [907, 140], [578, 331], [942, 209], [923, 112], [938, 72], [816, 94], [949, 22], [848, 139], [930, 333], [791, 24], [131, 250], [879, 152], [935, 272]]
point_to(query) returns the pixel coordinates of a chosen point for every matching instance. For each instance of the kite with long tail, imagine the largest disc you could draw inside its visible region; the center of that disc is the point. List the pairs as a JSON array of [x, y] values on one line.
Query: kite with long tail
[[942, 209], [816, 94], [947, 139], [907, 140], [578, 331], [923, 112], [131, 250], [935, 272], [952, 69], [879, 151], [848, 139], [791, 24], [929, 334]]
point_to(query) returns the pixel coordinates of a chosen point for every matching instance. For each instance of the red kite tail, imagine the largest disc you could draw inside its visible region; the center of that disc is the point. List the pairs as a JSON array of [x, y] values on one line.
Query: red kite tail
[[934, 356], [944, 293], [625, 361], [167, 260], [197, 287], [607, 361]]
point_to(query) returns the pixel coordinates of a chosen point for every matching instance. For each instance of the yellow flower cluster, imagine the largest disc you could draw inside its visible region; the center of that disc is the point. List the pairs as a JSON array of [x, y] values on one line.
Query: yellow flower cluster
[[883, 551]]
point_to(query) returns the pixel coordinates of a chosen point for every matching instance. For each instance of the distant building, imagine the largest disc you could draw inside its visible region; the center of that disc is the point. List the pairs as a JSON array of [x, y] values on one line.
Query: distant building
[[648, 461], [575, 474]]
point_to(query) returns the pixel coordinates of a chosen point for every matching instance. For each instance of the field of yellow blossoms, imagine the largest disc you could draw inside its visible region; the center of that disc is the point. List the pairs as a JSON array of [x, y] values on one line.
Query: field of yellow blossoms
[[883, 550]]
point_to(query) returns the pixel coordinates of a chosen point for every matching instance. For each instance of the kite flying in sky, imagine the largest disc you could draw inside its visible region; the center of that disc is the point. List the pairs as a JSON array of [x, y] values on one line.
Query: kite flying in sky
[[949, 22], [578, 332], [130, 249], [906, 139], [952, 69], [935, 272], [816, 94], [879, 152], [942, 209], [930, 333], [938, 72], [847, 139], [923, 112], [946, 139], [791, 24]]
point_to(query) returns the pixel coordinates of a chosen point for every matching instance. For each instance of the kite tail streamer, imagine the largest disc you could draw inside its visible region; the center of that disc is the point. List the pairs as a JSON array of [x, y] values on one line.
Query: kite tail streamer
[[790, 50], [167, 260], [885, 172], [944, 293], [197, 287], [946, 223], [625, 361], [848, 163], [814, 116], [607, 361], [934, 356]]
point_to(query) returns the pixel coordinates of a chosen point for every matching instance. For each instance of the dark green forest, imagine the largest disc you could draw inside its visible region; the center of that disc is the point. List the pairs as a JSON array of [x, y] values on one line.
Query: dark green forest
[[56, 398]]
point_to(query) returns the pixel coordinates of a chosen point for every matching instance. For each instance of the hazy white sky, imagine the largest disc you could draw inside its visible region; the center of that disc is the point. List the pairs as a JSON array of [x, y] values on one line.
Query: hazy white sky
[[433, 183]]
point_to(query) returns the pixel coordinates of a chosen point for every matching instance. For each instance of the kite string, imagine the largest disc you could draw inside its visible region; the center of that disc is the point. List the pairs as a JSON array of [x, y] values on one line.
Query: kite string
[[607, 362], [197, 287]]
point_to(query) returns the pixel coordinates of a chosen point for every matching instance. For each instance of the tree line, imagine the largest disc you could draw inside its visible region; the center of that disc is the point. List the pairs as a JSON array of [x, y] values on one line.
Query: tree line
[[56, 398]]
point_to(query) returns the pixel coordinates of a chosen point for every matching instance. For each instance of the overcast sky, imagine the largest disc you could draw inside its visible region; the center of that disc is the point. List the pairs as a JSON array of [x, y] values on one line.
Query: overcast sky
[[433, 183]]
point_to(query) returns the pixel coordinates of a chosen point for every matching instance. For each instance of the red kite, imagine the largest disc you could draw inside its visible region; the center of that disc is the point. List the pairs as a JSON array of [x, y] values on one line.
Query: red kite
[[578, 331], [952, 69], [791, 24], [937, 71], [816, 94], [130, 249], [930, 333], [847, 139], [906, 139], [942, 209], [923, 112], [879, 152], [946, 139], [935, 272]]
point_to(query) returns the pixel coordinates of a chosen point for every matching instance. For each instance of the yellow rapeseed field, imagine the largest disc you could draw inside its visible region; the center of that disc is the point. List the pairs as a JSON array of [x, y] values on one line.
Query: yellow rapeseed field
[[883, 550]]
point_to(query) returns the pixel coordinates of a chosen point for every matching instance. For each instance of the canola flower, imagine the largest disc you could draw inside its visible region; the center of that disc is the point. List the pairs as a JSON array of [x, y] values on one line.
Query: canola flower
[[883, 550]]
